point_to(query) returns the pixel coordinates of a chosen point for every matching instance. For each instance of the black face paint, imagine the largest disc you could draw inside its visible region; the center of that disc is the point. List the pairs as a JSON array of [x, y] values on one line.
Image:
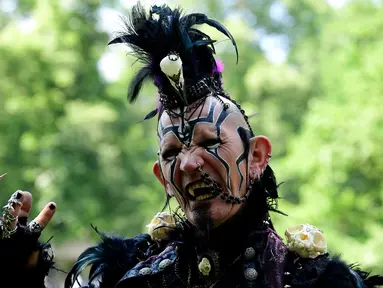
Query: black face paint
[[184, 132], [245, 137], [178, 129]]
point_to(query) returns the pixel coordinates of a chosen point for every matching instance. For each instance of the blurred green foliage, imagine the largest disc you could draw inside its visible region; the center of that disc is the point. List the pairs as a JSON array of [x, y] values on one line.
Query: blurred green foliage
[[67, 133]]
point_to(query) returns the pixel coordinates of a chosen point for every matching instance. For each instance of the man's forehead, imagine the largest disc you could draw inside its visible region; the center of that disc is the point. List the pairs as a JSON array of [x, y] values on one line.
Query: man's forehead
[[210, 112], [210, 109]]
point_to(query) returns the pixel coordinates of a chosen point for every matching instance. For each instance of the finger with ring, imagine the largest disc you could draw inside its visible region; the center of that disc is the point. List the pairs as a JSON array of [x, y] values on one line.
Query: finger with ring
[[10, 214], [34, 227], [15, 198]]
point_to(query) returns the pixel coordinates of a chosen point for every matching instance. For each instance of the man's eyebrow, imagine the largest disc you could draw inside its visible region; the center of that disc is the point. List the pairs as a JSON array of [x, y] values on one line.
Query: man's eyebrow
[[170, 144], [206, 132]]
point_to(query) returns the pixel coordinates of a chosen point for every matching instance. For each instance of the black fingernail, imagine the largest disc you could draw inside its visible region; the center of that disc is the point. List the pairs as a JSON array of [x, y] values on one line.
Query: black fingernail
[[52, 207], [19, 195]]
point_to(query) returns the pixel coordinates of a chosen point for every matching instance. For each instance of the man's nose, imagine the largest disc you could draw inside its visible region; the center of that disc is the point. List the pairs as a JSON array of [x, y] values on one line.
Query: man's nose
[[190, 162]]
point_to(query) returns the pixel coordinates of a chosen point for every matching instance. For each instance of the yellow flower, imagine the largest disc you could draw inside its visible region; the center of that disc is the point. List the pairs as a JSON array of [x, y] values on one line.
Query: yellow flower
[[161, 225], [306, 240]]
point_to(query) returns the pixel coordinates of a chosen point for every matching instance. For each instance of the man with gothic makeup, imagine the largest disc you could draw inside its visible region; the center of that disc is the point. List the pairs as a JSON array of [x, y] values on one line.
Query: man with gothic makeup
[[213, 164]]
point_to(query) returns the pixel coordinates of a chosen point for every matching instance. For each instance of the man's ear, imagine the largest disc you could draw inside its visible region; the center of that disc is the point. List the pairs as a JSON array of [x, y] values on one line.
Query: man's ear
[[157, 172], [259, 154]]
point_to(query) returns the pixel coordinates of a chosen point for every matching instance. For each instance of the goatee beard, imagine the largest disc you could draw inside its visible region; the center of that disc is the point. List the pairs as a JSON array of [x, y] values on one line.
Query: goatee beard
[[203, 221]]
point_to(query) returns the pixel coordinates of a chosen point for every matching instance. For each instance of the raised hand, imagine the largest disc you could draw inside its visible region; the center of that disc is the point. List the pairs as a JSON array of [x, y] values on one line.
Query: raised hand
[[17, 210], [14, 226]]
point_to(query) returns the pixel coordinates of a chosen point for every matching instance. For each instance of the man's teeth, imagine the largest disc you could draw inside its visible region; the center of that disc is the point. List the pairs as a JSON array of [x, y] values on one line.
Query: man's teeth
[[203, 197], [196, 186], [191, 191]]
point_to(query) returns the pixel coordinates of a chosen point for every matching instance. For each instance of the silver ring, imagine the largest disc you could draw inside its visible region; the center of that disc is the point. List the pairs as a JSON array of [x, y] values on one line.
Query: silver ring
[[6, 232], [13, 199], [199, 166], [8, 219], [34, 227], [6, 222], [5, 229], [7, 216]]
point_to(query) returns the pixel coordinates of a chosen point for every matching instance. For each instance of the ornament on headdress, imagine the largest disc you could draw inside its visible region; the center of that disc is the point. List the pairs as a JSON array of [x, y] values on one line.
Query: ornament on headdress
[[171, 65]]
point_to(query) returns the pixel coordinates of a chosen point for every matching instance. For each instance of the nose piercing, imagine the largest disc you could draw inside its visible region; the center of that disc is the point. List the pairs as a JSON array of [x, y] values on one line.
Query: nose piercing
[[199, 167]]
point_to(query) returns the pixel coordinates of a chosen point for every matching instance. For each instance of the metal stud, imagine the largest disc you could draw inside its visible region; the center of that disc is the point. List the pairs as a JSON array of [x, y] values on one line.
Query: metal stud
[[249, 253], [145, 271], [163, 264], [251, 274]]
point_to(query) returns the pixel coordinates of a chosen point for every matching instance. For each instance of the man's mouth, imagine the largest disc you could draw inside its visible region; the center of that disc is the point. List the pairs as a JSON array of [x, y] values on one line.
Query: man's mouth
[[199, 190]]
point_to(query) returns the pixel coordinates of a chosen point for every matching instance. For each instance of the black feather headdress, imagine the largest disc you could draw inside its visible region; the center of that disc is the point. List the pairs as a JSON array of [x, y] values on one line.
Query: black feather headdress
[[165, 32]]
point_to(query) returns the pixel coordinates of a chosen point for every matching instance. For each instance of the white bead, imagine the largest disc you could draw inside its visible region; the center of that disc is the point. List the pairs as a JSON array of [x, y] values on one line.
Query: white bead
[[251, 274], [249, 253], [145, 271], [163, 264]]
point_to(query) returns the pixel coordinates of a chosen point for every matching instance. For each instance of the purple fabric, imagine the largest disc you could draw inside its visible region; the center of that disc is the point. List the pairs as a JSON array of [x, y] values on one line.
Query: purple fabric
[[274, 257]]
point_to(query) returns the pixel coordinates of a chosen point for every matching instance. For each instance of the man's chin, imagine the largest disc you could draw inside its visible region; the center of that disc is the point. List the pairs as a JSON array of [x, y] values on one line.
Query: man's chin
[[208, 214]]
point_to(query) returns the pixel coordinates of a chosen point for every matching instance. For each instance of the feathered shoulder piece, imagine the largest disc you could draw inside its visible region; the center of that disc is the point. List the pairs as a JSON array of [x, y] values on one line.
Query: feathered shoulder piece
[[176, 56], [109, 260]]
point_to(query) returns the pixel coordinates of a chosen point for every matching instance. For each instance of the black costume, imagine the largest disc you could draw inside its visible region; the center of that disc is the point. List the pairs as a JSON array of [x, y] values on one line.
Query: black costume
[[245, 251]]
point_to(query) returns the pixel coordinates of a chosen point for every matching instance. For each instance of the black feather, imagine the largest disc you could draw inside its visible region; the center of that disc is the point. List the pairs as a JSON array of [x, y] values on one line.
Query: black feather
[[369, 281], [340, 275], [151, 114], [199, 19], [204, 42], [374, 281], [269, 182], [137, 81], [109, 260], [153, 36]]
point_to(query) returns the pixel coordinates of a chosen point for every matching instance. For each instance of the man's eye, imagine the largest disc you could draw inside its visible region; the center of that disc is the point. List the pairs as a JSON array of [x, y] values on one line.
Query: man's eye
[[211, 143], [170, 155]]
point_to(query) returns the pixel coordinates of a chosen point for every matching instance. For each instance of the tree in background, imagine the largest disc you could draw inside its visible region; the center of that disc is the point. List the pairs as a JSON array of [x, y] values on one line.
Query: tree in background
[[68, 135]]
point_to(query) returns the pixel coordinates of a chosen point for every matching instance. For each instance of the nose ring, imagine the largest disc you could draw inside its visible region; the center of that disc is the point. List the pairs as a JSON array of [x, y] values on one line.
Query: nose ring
[[199, 167]]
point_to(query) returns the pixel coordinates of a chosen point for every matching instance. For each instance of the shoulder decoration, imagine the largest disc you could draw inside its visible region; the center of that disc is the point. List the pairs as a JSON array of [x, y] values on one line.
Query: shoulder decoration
[[306, 240], [161, 226]]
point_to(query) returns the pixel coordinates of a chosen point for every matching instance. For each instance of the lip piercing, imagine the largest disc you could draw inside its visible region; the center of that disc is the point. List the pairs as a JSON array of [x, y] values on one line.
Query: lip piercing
[[204, 174]]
